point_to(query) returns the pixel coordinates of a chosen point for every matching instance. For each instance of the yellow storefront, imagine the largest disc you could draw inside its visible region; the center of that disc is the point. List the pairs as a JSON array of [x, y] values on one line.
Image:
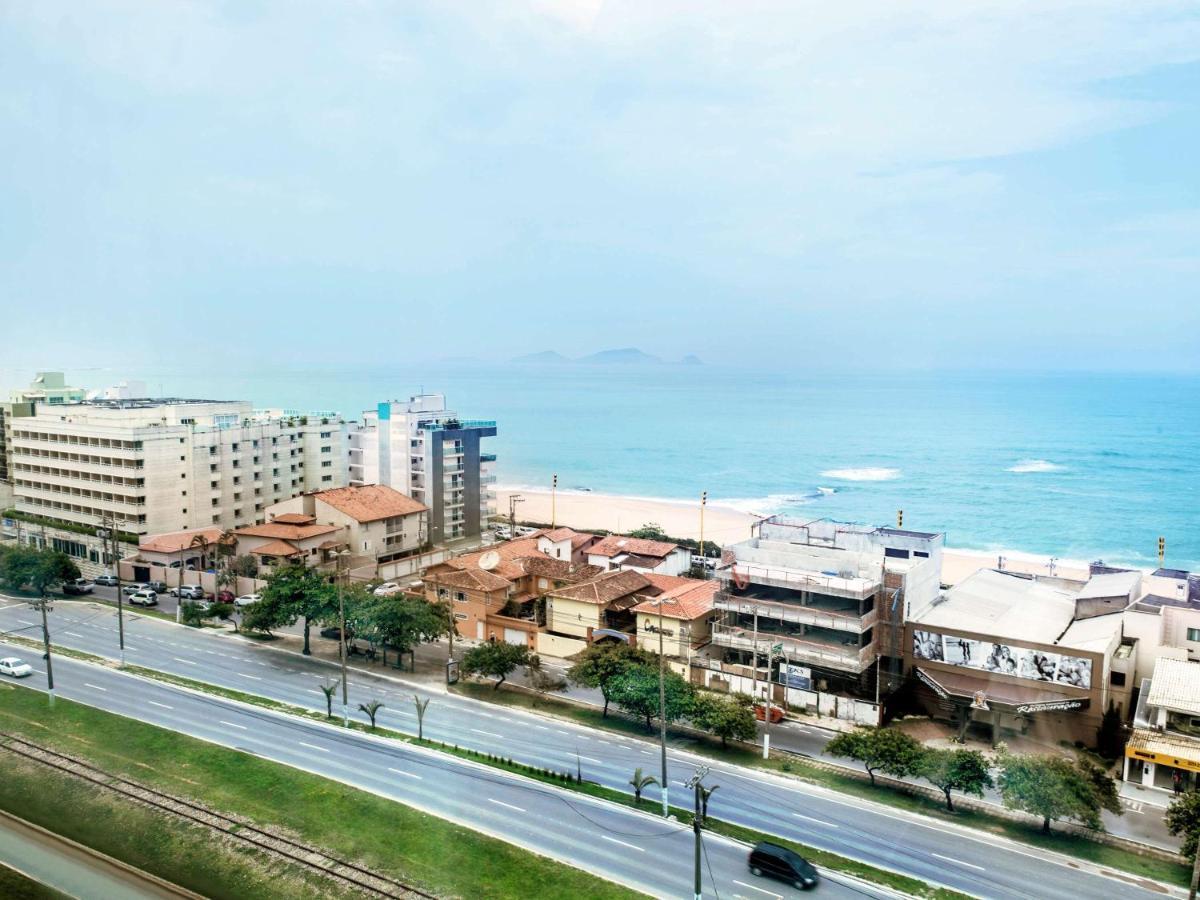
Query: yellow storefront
[[1152, 759]]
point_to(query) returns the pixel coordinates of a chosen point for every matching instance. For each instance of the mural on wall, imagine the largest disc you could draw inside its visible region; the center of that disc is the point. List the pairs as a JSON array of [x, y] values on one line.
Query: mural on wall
[[1004, 659]]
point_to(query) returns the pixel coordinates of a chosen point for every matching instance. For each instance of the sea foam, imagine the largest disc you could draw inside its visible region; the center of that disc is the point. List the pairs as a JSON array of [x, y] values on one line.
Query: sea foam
[[1034, 465], [868, 473]]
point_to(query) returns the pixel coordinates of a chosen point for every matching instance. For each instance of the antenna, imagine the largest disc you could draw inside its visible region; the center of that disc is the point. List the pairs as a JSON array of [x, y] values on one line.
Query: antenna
[[489, 561]]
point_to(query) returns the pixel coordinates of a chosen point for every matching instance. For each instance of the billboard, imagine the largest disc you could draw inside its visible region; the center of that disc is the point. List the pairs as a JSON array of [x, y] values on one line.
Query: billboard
[[795, 676], [1003, 659]]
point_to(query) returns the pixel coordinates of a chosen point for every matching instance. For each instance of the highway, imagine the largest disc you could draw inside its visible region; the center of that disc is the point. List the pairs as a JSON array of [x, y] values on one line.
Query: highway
[[969, 861]]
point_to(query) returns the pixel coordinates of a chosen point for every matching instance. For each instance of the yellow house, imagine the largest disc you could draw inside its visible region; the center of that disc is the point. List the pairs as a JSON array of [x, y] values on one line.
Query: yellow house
[[602, 604], [686, 607]]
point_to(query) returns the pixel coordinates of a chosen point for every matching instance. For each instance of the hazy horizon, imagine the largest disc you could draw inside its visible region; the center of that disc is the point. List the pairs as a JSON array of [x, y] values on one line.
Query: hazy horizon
[[998, 186]]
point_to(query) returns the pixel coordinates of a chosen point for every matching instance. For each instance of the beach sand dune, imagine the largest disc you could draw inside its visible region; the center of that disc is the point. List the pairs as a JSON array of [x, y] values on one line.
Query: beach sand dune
[[725, 525]]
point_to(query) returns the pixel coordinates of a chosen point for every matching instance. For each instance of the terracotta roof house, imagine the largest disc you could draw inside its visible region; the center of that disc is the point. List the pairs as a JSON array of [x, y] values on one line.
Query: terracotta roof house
[[685, 606], [566, 543], [640, 554], [180, 547], [299, 538]]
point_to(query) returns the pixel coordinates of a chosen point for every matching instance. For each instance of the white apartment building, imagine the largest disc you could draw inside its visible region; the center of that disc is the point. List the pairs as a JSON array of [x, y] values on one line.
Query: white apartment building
[[422, 449], [168, 465]]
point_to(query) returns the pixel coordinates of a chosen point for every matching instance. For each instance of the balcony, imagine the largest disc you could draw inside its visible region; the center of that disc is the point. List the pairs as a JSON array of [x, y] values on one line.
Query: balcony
[[487, 457], [844, 657], [458, 424], [836, 620], [854, 587]]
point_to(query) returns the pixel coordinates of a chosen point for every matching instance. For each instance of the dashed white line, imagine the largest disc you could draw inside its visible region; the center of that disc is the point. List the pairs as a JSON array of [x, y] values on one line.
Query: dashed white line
[[959, 861], [244, 675], [405, 774], [760, 890], [313, 747], [156, 703], [488, 733], [605, 837], [818, 821], [598, 762], [509, 805], [94, 687], [73, 634], [190, 662], [232, 724]]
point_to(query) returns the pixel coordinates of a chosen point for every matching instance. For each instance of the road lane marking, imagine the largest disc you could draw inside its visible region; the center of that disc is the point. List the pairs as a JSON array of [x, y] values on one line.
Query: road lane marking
[[188, 661], [311, 691], [232, 724], [313, 747], [605, 837], [509, 805], [405, 774], [818, 821], [567, 733], [959, 861], [244, 675], [598, 762], [760, 890], [73, 634], [488, 733], [647, 752], [156, 703], [94, 687]]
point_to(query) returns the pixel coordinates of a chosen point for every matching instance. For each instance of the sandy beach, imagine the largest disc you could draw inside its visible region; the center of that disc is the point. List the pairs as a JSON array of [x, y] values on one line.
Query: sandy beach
[[725, 525]]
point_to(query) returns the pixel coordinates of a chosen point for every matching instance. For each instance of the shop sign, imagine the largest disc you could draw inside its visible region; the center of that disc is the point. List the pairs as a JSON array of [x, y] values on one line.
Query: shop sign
[[1053, 706]]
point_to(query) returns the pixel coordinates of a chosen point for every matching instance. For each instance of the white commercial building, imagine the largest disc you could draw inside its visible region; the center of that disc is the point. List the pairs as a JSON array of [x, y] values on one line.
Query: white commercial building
[[422, 449], [154, 466]]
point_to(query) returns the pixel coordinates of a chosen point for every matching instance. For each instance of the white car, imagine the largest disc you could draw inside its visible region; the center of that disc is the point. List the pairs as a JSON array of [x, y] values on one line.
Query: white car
[[16, 668], [387, 589], [144, 597], [247, 599], [133, 588]]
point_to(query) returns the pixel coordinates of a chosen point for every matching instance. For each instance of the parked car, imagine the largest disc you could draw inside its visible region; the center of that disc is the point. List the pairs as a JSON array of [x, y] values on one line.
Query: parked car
[[144, 597], [159, 587], [77, 586], [133, 587], [247, 599], [225, 596], [781, 863], [188, 592], [106, 580], [387, 589], [14, 667]]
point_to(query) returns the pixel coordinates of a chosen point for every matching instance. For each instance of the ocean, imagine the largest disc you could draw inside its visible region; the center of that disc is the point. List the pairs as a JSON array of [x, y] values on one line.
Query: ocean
[[1081, 467]]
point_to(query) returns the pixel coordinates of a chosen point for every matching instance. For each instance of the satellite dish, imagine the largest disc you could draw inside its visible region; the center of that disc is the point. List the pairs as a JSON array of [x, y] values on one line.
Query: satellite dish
[[489, 560]]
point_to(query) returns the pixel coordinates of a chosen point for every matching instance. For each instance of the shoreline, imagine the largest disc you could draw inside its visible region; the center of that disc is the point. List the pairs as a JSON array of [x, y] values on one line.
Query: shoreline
[[586, 510]]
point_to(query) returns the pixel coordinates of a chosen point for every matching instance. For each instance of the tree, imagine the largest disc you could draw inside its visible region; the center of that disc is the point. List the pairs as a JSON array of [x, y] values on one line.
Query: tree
[[329, 690], [651, 531], [725, 716], [421, 706], [304, 593], [955, 770], [599, 664], [245, 566], [404, 622], [883, 750], [36, 568], [495, 659], [1183, 818], [371, 709], [640, 782], [636, 692], [17, 566], [705, 793], [1110, 736], [266, 614], [192, 613], [200, 541], [1052, 788]]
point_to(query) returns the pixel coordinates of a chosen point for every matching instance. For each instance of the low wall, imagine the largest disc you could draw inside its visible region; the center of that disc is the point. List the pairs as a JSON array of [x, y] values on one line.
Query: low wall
[[833, 706], [555, 645]]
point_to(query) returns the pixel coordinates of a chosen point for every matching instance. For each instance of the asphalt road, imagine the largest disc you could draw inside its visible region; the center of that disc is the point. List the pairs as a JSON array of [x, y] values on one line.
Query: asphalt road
[[979, 864], [633, 848]]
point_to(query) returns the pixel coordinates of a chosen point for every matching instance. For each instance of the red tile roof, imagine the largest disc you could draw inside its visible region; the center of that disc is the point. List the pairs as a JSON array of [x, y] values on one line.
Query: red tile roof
[[693, 600], [276, 548], [285, 532], [176, 541], [370, 502], [615, 544], [469, 579], [606, 588], [295, 519]]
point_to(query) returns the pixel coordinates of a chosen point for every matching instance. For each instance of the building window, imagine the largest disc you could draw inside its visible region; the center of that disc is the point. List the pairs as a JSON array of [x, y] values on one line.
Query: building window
[[1193, 634], [460, 616], [921, 554], [327, 478], [460, 597], [1116, 679]]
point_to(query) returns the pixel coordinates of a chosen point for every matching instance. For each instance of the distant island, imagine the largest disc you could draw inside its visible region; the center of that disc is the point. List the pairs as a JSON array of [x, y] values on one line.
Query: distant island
[[623, 356]]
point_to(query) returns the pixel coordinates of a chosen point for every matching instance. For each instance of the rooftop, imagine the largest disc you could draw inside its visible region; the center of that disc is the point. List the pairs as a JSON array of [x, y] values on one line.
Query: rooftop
[[1003, 604], [1110, 584], [606, 588], [284, 532], [177, 541], [370, 502], [1175, 685], [615, 545], [692, 598], [276, 548]]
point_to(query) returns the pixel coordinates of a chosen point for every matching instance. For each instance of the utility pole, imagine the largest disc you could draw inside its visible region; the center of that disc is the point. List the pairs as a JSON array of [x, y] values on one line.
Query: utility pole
[[40, 604], [767, 712], [554, 502], [342, 636], [694, 784], [703, 503], [662, 715], [112, 540], [513, 500], [1195, 876]]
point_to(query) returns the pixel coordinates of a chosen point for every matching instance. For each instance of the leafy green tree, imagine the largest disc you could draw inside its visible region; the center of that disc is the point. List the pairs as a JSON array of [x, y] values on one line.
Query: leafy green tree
[[640, 782], [17, 566], [955, 770], [636, 692], [883, 750], [1183, 818], [729, 716], [304, 593], [244, 566], [404, 622], [1110, 736], [192, 613], [495, 659], [266, 615], [651, 531], [38, 569], [1053, 788], [600, 664]]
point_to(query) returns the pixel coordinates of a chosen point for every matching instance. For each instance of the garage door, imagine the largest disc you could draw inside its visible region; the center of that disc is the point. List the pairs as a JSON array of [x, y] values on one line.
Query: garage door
[[515, 636]]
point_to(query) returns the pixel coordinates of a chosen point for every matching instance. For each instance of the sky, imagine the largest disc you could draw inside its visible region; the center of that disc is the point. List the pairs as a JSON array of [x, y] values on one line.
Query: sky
[[995, 185]]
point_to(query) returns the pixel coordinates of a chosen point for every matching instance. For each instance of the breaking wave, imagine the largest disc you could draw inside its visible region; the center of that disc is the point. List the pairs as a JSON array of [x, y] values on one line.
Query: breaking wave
[[868, 473], [1034, 465]]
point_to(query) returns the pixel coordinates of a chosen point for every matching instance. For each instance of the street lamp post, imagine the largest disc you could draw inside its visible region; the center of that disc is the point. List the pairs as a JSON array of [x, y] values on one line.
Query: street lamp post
[[341, 555], [662, 707]]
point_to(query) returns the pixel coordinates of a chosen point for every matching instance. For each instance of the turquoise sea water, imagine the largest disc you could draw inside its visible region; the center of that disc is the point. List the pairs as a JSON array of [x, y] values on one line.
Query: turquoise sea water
[[1077, 466]]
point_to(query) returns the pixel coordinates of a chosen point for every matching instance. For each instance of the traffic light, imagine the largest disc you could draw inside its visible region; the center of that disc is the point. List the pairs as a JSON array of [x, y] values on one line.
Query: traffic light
[[899, 518], [1162, 549]]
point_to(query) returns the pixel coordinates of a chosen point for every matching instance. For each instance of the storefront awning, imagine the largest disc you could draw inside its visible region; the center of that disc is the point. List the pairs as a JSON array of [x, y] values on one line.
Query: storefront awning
[[1168, 749], [984, 693]]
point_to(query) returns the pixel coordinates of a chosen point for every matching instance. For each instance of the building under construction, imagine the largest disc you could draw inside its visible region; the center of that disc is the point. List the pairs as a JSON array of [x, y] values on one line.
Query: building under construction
[[820, 606]]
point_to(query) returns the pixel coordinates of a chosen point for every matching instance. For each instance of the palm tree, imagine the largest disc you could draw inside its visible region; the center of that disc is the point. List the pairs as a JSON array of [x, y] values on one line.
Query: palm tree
[[420, 705], [705, 793], [371, 709], [200, 541], [640, 782], [329, 690]]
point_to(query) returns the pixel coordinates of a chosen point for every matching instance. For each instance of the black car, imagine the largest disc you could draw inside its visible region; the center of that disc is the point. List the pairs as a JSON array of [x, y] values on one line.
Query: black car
[[780, 862]]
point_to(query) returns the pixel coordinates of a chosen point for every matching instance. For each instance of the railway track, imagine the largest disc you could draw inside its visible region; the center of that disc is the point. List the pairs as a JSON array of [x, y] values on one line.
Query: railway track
[[362, 879]]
